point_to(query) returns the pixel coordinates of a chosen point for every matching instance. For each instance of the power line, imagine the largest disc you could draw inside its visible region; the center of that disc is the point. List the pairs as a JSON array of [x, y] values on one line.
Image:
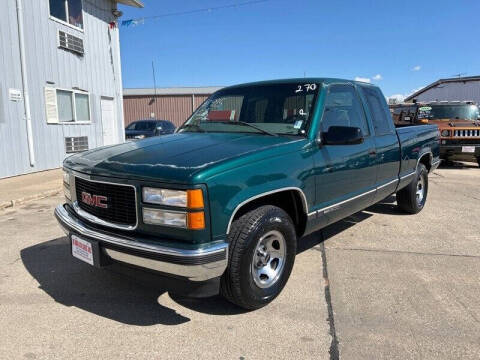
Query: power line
[[188, 12]]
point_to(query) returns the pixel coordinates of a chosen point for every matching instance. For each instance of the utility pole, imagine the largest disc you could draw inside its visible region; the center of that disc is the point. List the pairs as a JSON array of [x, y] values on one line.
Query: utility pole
[[152, 115]]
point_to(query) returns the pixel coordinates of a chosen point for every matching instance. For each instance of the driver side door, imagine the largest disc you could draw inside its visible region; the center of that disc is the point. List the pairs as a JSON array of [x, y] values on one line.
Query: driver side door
[[344, 174]]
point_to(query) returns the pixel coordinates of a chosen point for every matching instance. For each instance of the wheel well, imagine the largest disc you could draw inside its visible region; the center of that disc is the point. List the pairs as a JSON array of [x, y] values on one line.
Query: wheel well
[[426, 160], [289, 200]]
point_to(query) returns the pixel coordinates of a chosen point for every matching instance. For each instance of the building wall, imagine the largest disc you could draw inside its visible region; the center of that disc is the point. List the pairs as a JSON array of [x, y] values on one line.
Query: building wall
[[97, 72], [452, 91], [176, 108]]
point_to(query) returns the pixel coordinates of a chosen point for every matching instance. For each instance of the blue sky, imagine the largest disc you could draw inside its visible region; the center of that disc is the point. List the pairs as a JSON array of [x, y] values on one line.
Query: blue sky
[[407, 43]]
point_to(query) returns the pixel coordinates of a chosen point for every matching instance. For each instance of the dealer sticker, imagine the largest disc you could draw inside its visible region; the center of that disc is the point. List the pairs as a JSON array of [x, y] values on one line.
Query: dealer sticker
[[82, 249], [468, 149]]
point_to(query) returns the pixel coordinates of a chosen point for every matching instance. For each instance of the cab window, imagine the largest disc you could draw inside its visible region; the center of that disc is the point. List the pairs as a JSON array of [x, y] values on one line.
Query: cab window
[[343, 108], [377, 105]]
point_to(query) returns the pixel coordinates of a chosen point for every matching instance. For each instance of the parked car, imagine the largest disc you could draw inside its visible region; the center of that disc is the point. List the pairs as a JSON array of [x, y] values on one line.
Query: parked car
[[142, 129], [458, 121], [221, 204]]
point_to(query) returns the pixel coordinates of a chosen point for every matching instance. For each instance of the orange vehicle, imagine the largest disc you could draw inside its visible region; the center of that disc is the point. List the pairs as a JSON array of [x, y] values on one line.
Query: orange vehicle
[[458, 122]]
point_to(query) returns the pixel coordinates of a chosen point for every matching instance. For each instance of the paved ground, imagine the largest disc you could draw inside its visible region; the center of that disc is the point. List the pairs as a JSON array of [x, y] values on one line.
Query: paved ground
[[392, 286], [29, 187]]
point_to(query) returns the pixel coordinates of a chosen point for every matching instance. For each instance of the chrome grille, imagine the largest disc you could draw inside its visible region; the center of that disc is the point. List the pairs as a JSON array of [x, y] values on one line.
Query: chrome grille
[[467, 133], [121, 206]]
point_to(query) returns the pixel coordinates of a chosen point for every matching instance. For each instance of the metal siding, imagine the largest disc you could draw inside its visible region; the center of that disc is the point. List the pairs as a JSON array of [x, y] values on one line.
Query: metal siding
[[96, 72], [176, 108], [452, 91]]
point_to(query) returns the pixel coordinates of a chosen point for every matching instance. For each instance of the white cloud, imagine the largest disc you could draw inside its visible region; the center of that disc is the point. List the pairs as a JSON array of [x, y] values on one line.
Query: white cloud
[[358, 78], [377, 77], [416, 68]]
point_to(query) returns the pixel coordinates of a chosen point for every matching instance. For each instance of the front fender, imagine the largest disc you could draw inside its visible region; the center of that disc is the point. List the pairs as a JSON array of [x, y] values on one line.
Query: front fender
[[232, 189]]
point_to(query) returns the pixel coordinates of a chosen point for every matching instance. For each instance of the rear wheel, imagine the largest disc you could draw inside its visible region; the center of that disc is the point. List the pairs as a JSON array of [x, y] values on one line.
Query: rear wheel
[[262, 248], [478, 161], [412, 198]]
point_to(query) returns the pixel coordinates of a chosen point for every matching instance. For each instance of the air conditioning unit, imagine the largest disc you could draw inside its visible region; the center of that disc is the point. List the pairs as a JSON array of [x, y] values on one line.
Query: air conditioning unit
[[76, 144], [70, 42]]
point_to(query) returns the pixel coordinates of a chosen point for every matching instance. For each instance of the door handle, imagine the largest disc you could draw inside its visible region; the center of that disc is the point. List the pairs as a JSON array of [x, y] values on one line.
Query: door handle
[[372, 153]]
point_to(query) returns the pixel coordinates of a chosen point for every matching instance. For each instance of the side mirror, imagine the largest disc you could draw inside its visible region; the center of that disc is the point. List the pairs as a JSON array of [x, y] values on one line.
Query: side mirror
[[342, 135]]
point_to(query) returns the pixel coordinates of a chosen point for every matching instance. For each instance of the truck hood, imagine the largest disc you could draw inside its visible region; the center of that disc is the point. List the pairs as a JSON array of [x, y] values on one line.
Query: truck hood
[[172, 158], [445, 123]]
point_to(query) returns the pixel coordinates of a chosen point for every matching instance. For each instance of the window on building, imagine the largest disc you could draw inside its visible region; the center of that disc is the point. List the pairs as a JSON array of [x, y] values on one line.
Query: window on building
[[66, 106], [69, 11]]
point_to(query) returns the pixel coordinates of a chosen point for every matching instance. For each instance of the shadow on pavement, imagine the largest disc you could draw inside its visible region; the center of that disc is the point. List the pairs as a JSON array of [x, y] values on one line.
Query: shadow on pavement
[[455, 165], [72, 283], [386, 206], [131, 297], [215, 305]]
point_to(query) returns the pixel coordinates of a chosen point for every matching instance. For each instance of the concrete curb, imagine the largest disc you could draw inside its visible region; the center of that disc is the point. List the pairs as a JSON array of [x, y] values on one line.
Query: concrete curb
[[11, 203]]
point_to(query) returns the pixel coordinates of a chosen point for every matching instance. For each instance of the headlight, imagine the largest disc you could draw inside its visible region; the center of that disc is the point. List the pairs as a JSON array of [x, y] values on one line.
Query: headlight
[[445, 133], [164, 217], [66, 177], [139, 137], [66, 192], [193, 199], [66, 185]]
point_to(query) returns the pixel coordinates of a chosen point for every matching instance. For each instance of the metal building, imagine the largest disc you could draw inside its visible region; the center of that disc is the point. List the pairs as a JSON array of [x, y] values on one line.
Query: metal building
[[174, 104], [60, 81], [451, 89]]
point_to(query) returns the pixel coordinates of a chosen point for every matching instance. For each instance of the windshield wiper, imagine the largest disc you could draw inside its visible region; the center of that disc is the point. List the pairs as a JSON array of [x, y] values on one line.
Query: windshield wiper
[[247, 124], [192, 126]]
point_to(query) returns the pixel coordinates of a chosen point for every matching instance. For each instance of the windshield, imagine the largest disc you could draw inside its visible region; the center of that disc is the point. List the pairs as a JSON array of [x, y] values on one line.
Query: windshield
[[142, 125], [448, 112], [282, 109]]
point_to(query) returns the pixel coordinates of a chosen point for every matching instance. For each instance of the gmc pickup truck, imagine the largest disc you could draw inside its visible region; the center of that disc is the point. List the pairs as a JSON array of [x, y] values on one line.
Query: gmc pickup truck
[[220, 205]]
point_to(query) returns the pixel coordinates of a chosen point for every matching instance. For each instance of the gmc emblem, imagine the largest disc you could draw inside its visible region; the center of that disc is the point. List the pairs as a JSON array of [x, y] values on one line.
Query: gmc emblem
[[94, 200]]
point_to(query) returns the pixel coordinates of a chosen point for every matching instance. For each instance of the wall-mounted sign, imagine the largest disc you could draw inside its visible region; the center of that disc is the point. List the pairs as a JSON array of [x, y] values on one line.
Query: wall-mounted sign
[[15, 95]]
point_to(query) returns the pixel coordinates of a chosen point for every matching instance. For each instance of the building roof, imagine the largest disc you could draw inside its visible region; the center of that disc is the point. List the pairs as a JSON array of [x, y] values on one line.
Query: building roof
[[135, 3], [442, 81], [206, 90]]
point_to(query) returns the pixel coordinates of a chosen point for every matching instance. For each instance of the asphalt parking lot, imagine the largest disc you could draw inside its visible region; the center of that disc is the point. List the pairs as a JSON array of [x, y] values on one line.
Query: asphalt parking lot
[[379, 284]]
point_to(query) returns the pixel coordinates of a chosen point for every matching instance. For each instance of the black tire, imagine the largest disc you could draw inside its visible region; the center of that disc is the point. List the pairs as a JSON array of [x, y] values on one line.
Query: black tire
[[238, 283], [478, 161], [407, 198]]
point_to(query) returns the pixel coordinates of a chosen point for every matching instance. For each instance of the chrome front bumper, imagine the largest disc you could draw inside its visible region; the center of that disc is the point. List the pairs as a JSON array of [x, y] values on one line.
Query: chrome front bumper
[[195, 265]]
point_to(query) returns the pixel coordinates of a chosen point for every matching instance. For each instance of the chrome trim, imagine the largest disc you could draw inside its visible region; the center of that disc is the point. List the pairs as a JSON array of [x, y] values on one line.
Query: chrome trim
[[345, 201], [421, 156], [408, 175], [435, 165], [92, 218], [193, 272], [388, 183], [304, 202]]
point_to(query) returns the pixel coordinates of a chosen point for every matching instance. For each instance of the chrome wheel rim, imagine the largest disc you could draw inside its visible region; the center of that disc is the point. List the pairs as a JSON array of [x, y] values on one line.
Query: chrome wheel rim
[[420, 190], [269, 259]]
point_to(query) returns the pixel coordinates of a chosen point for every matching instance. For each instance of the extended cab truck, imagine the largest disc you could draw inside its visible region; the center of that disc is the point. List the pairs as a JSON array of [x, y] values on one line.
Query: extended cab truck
[[458, 122], [220, 204]]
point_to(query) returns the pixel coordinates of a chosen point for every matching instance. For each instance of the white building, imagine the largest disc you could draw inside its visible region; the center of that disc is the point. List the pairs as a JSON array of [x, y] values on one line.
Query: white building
[[60, 81]]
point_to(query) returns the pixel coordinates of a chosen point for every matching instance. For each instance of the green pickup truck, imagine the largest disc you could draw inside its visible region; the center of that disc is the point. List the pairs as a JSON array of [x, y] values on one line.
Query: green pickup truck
[[220, 205]]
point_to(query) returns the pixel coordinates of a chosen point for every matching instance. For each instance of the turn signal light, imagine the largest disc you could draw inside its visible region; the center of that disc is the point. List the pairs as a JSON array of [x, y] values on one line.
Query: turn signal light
[[195, 199], [196, 220]]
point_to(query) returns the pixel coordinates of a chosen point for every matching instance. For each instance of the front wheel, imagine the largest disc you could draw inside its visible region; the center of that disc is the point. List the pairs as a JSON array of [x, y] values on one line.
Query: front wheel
[[412, 198], [262, 248]]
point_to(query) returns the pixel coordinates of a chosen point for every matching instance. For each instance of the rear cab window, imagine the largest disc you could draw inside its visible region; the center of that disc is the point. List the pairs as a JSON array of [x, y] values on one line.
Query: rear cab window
[[381, 118]]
